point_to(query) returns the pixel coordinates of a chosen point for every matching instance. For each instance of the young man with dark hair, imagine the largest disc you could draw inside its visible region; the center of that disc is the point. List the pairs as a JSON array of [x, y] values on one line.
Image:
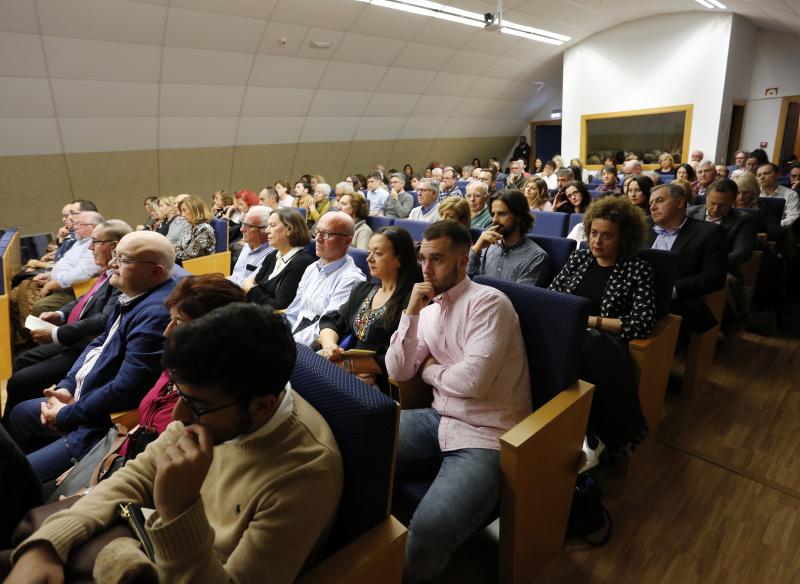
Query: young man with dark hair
[[503, 250], [245, 482], [767, 175], [449, 335], [377, 195]]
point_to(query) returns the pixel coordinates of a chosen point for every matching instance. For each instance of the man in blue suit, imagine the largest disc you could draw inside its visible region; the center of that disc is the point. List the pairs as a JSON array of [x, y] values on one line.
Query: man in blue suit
[[114, 371]]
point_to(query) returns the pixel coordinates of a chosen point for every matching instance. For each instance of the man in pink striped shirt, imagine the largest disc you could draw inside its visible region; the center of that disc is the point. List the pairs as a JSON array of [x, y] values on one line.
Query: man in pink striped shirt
[[463, 339]]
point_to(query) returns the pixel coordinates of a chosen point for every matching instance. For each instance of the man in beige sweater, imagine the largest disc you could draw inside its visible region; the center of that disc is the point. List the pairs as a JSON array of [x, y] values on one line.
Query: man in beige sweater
[[245, 483]]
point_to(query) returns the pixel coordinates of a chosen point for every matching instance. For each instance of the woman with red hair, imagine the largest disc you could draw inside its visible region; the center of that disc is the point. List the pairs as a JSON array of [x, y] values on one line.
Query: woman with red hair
[[242, 202]]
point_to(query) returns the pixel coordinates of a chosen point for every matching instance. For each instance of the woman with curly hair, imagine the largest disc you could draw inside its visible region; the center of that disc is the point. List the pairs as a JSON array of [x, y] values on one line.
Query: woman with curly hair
[[620, 290]]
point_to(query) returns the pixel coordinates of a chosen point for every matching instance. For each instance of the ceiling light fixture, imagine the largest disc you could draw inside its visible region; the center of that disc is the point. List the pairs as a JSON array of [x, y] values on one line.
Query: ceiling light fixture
[[712, 4], [474, 19]]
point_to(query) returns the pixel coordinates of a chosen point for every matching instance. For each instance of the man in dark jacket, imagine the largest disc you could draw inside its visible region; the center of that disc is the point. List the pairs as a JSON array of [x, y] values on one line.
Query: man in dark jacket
[[115, 370]]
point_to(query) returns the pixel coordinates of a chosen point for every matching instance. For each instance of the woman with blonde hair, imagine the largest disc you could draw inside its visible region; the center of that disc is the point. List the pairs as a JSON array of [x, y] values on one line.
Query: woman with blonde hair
[[666, 163], [170, 221], [537, 194], [197, 237], [455, 209], [355, 205]]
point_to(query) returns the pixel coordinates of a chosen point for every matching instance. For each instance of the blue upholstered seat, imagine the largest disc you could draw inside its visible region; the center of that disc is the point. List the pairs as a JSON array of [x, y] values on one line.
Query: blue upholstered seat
[[311, 247], [415, 197], [558, 250], [774, 205], [462, 186], [415, 228], [499, 185], [574, 219], [550, 223], [594, 193], [221, 233], [376, 223], [32, 247], [665, 270], [363, 422], [360, 258]]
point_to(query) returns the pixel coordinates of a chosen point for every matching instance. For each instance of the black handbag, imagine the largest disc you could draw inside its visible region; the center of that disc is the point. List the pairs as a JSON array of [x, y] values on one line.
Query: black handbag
[[588, 515]]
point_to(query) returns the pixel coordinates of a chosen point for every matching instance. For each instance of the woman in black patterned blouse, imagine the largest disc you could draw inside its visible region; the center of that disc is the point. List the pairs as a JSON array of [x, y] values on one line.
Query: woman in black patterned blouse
[[371, 315], [197, 237], [619, 287]]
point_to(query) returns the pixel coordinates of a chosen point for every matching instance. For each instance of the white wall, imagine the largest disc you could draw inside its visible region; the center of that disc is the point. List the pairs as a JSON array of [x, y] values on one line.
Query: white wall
[[659, 61], [774, 65], [738, 78]]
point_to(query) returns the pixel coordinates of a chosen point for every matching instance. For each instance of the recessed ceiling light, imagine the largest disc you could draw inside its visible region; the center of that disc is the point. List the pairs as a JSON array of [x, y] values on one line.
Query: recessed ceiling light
[[320, 44]]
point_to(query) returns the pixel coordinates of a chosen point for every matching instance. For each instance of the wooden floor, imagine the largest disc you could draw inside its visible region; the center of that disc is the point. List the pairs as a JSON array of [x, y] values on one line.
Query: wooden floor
[[714, 498]]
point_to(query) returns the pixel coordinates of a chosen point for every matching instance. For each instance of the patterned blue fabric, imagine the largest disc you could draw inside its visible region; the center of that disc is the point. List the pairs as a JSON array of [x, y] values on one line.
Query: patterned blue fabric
[[221, 232], [558, 250], [414, 228], [360, 258], [665, 268], [363, 421], [376, 223], [550, 223]]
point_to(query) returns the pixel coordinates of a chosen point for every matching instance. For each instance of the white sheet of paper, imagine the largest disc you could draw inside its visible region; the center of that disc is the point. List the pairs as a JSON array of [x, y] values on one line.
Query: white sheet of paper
[[34, 323]]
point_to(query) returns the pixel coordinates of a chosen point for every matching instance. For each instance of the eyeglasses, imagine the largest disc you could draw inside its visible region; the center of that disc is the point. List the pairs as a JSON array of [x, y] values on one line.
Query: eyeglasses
[[96, 241], [328, 234], [198, 412], [119, 260], [86, 224], [251, 226]]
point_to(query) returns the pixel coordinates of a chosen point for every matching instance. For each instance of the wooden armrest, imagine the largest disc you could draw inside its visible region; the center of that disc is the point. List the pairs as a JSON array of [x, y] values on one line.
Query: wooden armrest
[[539, 459], [702, 346], [128, 419], [374, 556], [411, 394], [81, 288], [216, 263], [6, 354]]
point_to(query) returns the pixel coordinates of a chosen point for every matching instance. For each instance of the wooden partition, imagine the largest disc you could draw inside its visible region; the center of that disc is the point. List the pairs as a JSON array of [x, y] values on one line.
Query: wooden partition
[[217, 263], [701, 349], [11, 265]]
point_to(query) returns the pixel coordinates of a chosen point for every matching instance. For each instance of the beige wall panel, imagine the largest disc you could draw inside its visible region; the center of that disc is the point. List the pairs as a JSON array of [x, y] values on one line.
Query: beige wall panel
[[195, 162], [19, 174], [450, 150], [254, 182], [202, 186], [119, 201], [268, 162], [325, 158], [363, 155], [34, 207], [43, 227], [105, 168], [413, 152]]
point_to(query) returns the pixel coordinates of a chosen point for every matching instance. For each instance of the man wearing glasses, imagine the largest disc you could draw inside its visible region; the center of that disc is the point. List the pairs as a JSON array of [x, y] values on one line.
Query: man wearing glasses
[[77, 323], [327, 283], [256, 248], [114, 371], [427, 193]]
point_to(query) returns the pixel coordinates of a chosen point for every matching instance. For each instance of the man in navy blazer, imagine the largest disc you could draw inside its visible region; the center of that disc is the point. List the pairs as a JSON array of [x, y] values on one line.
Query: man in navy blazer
[[115, 370], [78, 322]]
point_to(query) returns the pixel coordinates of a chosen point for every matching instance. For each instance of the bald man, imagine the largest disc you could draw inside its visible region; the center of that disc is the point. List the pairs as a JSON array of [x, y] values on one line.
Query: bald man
[[114, 371]]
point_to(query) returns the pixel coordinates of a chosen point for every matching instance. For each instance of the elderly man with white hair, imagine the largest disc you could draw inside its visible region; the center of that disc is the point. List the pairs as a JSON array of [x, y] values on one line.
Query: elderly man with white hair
[[256, 248], [706, 174]]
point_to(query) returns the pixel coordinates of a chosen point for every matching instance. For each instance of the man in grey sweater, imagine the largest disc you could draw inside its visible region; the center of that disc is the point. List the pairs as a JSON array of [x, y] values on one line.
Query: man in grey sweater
[[503, 251], [400, 202]]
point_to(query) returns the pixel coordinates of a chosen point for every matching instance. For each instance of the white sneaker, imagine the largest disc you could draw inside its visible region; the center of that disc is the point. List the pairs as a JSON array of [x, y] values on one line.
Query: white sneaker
[[591, 456]]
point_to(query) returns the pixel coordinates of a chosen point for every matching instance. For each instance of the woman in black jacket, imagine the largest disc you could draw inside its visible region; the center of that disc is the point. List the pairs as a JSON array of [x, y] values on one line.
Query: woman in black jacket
[[371, 315], [276, 282]]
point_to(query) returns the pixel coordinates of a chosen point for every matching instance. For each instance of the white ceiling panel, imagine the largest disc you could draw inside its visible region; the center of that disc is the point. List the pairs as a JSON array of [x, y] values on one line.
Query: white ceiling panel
[[506, 68], [459, 127], [489, 87], [196, 132], [248, 8], [218, 32], [445, 34], [25, 97], [496, 43], [391, 104], [102, 60], [418, 56], [108, 134], [435, 105], [404, 80], [21, 55], [325, 35], [352, 76], [338, 129], [337, 14], [451, 84], [269, 130], [117, 99], [472, 107], [422, 128], [276, 101], [359, 48], [282, 39], [186, 100], [520, 90], [374, 20], [31, 136], [206, 67], [505, 109], [328, 102], [275, 71], [490, 127], [104, 20], [18, 16], [469, 62], [379, 128]]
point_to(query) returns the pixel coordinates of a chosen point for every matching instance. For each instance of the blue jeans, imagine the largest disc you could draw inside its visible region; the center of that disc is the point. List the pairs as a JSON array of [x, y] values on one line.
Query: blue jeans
[[47, 462], [461, 499]]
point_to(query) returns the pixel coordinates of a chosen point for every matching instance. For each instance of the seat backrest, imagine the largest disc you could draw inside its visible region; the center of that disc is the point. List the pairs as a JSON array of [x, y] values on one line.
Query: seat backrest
[[415, 228], [462, 185], [594, 193], [311, 247], [558, 250], [774, 205], [553, 326], [665, 271], [574, 219], [499, 185], [376, 223], [550, 223], [700, 200], [364, 424], [360, 258], [415, 197], [301, 210], [221, 233], [667, 178]]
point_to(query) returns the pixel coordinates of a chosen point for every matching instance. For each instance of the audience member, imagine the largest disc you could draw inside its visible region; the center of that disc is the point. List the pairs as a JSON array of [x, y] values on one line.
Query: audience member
[[355, 205], [696, 157], [767, 223], [563, 176], [151, 210], [400, 202], [739, 161], [722, 171], [242, 201], [197, 237], [686, 172], [487, 177], [631, 168], [702, 255], [455, 209], [448, 186], [327, 283], [609, 181], [755, 159], [427, 192], [220, 204], [256, 246], [371, 314], [229, 421], [322, 201], [477, 195], [303, 199], [517, 176], [620, 290], [171, 223], [113, 371], [503, 250], [268, 197], [536, 194], [575, 198], [447, 335], [768, 179], [706, 174], [666, 164], [794, 177], [377, 195], [638, 192], [285, 199], [276, 281], [523, 152]]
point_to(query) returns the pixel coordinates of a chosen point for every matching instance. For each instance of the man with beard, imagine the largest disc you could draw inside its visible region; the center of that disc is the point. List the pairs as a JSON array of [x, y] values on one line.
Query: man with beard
[[503, 251]]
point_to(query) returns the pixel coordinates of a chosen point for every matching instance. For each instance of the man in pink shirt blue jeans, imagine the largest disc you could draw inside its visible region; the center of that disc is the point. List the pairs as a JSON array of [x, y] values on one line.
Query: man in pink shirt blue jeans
[[464, 339]]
